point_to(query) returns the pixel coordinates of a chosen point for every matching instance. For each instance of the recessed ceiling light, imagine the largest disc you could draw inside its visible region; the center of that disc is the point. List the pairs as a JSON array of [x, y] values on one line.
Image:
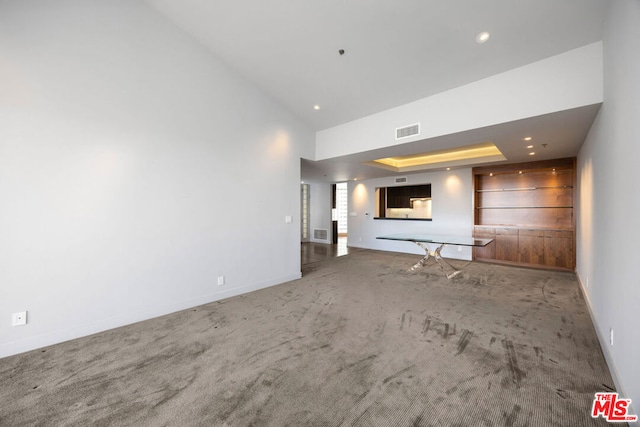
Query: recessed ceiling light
[[527, 138], [532, 153], [448, 169], [529, 146], [482, 37], [520, 172], [316, 107]]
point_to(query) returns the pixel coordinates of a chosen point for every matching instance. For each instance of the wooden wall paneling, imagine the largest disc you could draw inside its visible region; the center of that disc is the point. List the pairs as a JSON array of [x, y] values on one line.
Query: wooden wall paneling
[[515, 180], [556, 218], [477, 182], [548, 196], [567, 163]]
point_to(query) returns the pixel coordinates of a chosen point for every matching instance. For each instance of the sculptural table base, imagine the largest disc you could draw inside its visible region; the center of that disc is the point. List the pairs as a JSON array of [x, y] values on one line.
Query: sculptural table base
[[424, 240], [435, 254]]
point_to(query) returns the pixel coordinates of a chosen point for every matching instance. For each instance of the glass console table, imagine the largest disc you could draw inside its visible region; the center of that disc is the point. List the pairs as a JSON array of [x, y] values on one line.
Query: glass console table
[[432, 245]]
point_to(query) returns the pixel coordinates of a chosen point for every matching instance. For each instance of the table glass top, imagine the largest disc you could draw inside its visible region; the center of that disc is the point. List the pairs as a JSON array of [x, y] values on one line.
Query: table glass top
[[439, 239]]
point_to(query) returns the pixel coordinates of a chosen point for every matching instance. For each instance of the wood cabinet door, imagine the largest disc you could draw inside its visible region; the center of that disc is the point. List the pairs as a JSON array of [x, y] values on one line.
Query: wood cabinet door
[[531, 246], [507, 244], [404, 199], [392, 197], [489, 251], [398, 197], [558, 249]]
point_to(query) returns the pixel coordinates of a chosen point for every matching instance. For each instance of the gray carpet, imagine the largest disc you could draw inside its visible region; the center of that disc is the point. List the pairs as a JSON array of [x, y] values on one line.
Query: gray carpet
[[358, 341]]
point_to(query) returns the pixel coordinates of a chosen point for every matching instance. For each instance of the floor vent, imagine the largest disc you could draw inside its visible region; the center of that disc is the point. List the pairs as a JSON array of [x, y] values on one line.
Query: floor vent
[[408, 131], [320, 233]]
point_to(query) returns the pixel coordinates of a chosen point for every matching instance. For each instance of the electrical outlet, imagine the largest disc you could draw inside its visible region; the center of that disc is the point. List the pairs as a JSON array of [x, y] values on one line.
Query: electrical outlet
[[220, 280], [611, 336], [19, 319]]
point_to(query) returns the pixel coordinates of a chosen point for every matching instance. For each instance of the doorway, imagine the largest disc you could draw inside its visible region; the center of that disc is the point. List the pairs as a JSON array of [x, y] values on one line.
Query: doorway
[[340, 215]]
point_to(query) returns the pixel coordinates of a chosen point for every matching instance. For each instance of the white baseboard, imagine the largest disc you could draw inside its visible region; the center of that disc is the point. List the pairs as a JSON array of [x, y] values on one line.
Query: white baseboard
[[90, 328], [605, 349]]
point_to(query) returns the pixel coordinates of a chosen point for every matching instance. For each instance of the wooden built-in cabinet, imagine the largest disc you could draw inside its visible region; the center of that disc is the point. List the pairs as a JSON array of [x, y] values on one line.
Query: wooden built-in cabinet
[[531, 246], [506, 244], [527, 209], [400, 197], [526, 246], [489, 251], [558, 248]]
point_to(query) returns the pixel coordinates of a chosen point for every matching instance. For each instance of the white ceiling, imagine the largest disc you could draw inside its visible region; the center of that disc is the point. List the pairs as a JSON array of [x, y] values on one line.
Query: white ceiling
[[395, 52], [558, 135]]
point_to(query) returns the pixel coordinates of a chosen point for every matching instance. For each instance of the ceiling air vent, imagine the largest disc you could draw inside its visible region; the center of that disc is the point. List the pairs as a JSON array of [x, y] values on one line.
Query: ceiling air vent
[[401, 179], [408, 131]]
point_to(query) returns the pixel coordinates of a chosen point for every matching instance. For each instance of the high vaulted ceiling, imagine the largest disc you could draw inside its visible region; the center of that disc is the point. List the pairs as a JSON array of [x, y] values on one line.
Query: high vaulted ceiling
[[395, 52]]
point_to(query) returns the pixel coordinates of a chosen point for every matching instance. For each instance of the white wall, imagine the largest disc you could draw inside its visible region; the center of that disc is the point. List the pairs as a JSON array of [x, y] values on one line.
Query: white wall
[[608, 228], [569, 80], [320, 209], [135, 169], [452, 206]]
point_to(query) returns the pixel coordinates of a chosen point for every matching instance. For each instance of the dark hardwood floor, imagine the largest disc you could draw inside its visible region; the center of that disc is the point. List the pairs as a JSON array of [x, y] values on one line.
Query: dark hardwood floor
[[313, 252]]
